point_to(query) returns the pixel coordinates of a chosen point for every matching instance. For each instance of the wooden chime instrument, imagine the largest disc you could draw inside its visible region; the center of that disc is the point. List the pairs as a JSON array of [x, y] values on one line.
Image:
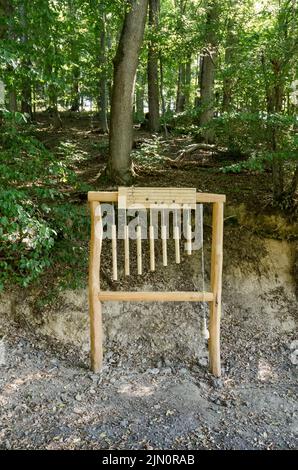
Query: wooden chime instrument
[[140, 203]]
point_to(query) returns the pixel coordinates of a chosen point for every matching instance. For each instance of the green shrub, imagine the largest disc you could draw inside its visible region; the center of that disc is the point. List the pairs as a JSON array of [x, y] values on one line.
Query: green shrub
[[31, 203]]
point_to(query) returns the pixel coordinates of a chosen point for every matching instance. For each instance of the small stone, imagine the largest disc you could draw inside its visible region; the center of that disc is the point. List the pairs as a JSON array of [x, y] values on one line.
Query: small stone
[[203, 361], [153, 371], [7, 445], [294, 357], [183, 371], [294, 344], [79, 397], [93, 377]]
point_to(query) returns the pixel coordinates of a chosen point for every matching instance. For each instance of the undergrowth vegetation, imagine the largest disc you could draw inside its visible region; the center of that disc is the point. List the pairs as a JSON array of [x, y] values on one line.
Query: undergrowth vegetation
[[39, 228]]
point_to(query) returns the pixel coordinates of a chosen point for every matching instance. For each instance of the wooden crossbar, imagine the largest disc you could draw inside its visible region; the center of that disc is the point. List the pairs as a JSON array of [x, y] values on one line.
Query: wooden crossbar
[[96, 296], [156, 296], [112, 196]]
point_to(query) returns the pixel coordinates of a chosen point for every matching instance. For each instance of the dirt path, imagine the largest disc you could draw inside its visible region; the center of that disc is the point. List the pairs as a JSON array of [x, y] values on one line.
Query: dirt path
[[50, 400]]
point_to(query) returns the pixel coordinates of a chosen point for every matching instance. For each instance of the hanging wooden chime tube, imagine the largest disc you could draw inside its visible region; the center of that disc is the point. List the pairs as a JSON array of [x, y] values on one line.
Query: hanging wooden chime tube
[[176, 237], [126, 247], [139, 247], [151, 242], [188, 232], [164, 239], [114, 247]]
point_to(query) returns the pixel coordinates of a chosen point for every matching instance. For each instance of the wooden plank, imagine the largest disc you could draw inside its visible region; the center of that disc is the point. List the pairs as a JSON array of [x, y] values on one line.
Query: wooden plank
[[148, 197], [210, 198], [141, 296], [112, 196], [95, 310], [103, 196], [216, 286]]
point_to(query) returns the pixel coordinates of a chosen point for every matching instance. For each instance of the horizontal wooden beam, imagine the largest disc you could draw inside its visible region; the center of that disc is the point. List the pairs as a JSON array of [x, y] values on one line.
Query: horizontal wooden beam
[[141, 296], [208, 197], [112, 196], [103, 196]]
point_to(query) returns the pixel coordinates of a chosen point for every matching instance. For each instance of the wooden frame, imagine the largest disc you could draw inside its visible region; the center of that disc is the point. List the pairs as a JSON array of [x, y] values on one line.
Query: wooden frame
[[96, 296]]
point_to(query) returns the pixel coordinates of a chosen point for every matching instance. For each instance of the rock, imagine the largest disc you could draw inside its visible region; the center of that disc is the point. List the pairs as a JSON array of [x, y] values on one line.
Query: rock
[[154, 371], [203, 361], [294, 358], [294, 344], [78, 397]]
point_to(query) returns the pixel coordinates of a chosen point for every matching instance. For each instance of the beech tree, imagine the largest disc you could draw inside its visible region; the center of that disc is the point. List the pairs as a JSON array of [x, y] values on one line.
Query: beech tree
[[125, 67], [153, 69]]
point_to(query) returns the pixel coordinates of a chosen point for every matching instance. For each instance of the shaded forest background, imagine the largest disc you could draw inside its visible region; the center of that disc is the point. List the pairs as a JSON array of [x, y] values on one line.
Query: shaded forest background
[[137, 87]]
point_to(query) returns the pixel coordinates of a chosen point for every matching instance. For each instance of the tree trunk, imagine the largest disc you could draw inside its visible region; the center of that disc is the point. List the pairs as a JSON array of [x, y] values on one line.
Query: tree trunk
[[180, 98], [75, 93], [26, 103], [163, 103], [274, 97], [125, 66], [153, 87], [102, 101], [208, 65], [228, 78], [183, 86], [6, 10], [139, 117], [187, 84], [12, 104]]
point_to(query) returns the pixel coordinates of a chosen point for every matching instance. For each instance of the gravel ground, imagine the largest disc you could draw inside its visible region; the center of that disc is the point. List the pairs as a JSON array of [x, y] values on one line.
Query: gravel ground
[[50, 400]]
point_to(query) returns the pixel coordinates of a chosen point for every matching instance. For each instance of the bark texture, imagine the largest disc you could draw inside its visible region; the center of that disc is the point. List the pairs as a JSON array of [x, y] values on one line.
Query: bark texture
[[125, 66]]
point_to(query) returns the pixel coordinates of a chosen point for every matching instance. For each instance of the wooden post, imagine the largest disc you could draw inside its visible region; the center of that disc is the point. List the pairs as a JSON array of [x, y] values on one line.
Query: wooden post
[[216, 280], [95, 307]]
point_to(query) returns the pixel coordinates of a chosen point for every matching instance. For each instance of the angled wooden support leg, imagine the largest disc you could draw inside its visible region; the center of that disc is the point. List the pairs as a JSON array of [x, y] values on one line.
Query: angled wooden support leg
[[216, 281], [95, 307]]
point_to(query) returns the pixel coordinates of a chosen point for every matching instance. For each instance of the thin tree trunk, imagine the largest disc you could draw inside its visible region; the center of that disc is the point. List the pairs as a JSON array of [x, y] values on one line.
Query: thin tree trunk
[[162, 97], [12, 104], [6, 10], [140, 97], [102, 101], [153, 87], [26, 103], [75, 92], [125, 66], [187, 84], [180, 98], [228, 78], [208, 65]]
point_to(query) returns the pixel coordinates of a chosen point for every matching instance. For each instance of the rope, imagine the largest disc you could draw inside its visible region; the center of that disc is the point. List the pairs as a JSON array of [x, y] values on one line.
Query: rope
[[205, 330]]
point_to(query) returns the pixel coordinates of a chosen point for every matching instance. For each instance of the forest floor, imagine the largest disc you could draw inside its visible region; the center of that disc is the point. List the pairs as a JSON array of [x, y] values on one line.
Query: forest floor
[[154, 160], [50, 400]]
